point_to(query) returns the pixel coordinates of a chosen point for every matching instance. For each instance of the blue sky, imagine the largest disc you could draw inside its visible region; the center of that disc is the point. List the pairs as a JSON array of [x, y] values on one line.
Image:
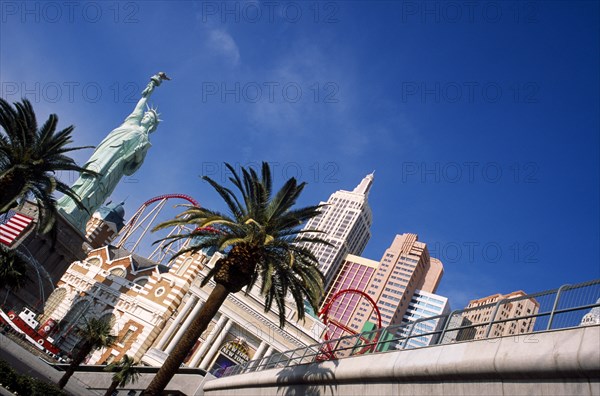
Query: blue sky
[[480, 119]]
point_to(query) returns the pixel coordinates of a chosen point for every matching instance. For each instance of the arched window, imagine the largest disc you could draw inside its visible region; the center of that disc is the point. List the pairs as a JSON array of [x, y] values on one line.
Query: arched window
[[121, 272], [53, 302], [184, 266], [94, 260], [76, 313], [141, 281]]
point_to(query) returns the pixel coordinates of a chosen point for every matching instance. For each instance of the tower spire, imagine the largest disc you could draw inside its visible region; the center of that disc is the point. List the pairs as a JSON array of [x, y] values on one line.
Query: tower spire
[[365, 184]]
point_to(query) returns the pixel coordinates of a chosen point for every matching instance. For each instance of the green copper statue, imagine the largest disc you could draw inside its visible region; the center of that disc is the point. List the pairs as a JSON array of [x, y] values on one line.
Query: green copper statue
[[121, 153]]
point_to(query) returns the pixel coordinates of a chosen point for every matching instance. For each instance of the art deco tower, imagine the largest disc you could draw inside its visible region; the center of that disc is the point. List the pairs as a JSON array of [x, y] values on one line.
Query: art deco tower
[[346, 221], [404, 268]]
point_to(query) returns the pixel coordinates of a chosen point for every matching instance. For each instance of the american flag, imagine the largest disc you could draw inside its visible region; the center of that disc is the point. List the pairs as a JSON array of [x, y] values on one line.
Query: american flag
[[13, 227]]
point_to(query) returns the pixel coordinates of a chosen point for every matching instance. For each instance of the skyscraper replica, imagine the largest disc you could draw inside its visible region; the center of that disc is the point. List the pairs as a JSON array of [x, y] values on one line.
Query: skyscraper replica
[[593, 317], [401, 284], [424, 305], [404, 268], [346, 221]]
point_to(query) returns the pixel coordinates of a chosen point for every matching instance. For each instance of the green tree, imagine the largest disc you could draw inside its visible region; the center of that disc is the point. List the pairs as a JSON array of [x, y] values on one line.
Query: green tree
[[25, 385], [13, 269], [260, 238], [94, 335], [30, 157], [124, 371]]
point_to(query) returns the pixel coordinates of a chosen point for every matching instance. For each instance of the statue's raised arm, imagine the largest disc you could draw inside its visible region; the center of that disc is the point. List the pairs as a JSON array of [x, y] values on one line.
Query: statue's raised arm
[[137, 113], [121, 153]]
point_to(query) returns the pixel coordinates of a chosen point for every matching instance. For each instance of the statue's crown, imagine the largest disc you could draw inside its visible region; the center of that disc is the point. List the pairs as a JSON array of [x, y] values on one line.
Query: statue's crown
[[156, 114]]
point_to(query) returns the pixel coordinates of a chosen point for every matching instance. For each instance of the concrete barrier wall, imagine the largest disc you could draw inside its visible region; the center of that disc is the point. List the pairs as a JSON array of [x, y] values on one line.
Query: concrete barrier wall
[[189, 384], [562, 362]]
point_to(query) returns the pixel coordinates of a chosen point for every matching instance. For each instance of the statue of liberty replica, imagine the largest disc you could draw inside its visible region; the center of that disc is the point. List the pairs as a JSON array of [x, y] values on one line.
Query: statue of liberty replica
[[120, 154]]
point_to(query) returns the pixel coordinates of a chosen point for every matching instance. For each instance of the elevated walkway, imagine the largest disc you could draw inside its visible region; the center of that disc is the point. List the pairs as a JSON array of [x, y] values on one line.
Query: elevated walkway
[[556, 362]]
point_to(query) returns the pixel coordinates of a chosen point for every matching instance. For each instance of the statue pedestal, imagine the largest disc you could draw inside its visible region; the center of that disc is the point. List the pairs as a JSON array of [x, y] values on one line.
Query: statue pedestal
[[51, 263]]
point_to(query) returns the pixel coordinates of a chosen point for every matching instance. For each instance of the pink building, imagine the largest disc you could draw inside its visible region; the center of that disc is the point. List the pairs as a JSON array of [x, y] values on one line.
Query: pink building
[[355, 273]]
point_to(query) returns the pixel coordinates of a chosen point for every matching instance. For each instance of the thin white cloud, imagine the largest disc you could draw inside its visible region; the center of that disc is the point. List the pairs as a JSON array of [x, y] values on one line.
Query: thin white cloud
[[223, 44], [325, 102]]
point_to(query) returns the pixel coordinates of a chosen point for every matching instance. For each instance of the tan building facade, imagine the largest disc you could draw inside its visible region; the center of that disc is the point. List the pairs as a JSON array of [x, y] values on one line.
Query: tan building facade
[[405, 272], [480, 311], [151, 307], [136, 294], [404, 268], [241, 325], [105, 224]]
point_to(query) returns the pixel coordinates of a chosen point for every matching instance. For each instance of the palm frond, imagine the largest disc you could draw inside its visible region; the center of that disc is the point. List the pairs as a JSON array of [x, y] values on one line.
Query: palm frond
[[29, 158], [260, 239]]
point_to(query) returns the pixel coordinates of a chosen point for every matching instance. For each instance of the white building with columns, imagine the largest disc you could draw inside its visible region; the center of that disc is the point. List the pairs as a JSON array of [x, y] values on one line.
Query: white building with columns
[[241, 331]]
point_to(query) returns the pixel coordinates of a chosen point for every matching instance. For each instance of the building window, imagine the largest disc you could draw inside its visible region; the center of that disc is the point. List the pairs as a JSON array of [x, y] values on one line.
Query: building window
[[120, 272], [109, 318], [53, 302], [126, 336], [94, 260], [184, 266], [141, 281], [110, 359], [159, 292]]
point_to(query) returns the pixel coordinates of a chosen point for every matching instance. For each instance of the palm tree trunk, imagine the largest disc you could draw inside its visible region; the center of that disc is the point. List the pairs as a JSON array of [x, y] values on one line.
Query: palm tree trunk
[[197, 327], [111, 388], [77, 360]]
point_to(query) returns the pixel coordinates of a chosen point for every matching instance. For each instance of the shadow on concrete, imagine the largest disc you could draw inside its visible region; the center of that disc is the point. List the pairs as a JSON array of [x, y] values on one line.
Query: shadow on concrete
[[308, 379], [27, 363]]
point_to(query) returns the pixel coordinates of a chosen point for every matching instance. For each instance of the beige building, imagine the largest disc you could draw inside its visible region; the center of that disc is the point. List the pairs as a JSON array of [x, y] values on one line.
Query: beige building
[[136, 294], [241, 325], [105, 224], [151, 307], [480, 311]]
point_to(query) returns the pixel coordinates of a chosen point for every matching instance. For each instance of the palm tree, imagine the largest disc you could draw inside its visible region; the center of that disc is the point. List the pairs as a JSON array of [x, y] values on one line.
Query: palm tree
[[13, 269], [29, 158], [124, 373], [94, 335], [261, 237]]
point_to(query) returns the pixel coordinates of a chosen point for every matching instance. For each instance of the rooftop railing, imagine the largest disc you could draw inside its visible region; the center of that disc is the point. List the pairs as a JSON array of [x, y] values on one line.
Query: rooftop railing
[[524, 315]]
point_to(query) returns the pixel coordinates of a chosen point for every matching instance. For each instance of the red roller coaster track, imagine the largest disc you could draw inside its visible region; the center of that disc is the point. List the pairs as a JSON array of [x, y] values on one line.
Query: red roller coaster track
[[131, 225], [160, 198], [328, 351], [169, 196]]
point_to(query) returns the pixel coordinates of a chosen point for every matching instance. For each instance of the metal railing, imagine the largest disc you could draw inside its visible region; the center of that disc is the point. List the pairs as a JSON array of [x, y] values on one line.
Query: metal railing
[[524, 315]]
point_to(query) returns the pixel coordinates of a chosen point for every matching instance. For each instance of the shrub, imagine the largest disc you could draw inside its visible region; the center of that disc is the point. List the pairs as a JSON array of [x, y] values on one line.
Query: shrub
[[24, 384]]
